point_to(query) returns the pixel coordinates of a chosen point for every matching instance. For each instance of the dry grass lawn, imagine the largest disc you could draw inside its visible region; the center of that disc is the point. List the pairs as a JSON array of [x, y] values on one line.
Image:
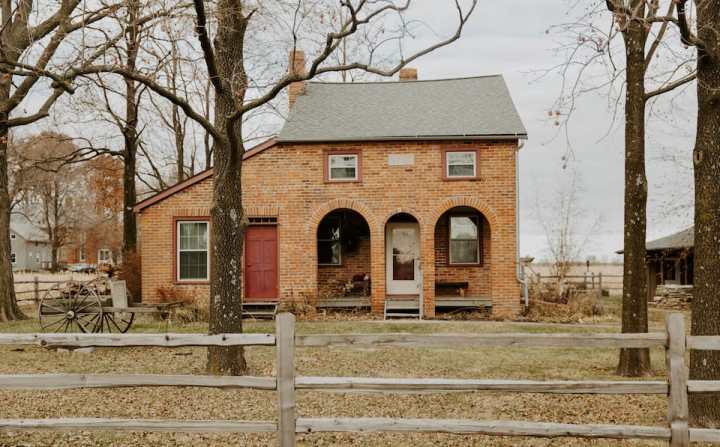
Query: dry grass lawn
[[193, 403]]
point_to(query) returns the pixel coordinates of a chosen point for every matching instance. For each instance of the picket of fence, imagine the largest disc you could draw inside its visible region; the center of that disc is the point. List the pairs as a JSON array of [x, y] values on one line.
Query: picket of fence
[[287, 383]]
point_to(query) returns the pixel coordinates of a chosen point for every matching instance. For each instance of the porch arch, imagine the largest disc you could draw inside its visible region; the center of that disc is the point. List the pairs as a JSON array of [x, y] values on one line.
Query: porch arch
[[323, 210], [465, 201]]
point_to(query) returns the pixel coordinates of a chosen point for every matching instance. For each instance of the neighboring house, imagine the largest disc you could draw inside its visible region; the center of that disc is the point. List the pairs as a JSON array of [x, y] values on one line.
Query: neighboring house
[[29, 246], [97, 243], [670, 260], [395, 193]]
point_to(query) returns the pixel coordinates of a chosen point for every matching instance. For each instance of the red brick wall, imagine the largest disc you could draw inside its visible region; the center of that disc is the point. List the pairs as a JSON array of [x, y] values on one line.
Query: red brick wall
[[287, 181]]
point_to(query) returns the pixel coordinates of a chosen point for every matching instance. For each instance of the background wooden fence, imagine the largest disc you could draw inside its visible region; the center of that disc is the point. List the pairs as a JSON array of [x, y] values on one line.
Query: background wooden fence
[[286, 383], [590, 281], [40, 286]]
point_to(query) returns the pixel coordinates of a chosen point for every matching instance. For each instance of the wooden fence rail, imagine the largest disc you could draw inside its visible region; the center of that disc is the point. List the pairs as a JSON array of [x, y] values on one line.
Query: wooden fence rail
[[287, 383]]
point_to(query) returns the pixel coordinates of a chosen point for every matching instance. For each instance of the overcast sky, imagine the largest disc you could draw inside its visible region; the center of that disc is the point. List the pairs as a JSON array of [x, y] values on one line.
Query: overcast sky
[[510, 38]]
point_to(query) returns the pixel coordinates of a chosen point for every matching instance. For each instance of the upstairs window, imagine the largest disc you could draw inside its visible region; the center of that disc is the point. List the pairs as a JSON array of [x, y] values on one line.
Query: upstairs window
[[104, 255], [461, 164], [343, 167], [464, 240], [193, 256]]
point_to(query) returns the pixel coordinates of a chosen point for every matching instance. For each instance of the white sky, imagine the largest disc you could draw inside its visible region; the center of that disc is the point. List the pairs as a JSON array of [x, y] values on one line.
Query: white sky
[[510, 38]]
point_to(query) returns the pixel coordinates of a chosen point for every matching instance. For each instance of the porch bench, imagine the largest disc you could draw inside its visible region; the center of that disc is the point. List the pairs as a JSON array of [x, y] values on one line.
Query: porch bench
[[443, 287]]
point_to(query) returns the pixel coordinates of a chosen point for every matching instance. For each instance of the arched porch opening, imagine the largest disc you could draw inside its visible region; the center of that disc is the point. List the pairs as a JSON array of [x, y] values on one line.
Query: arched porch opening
[[343, 260], [463, 258]]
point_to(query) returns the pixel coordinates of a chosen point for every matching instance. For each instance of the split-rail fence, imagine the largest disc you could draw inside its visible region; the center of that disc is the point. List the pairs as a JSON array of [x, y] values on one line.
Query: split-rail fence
[[286, 383]]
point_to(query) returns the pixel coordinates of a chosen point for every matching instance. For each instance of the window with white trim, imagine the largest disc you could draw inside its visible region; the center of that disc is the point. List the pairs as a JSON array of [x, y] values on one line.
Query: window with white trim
[[329, 244], [193, 256], [104, 256], [464, 240], [343, 167], [461, 164]]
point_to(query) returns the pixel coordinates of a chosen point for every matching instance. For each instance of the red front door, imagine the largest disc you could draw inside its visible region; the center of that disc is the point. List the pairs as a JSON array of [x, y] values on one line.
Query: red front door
[[261, 271]]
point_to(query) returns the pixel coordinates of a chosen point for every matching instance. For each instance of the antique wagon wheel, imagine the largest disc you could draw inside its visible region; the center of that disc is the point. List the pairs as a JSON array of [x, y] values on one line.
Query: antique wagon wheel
[[72, 308], [116, 321]]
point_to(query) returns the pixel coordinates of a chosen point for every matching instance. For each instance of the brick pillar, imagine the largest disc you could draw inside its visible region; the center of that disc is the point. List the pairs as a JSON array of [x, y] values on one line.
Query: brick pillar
[[377, 269], [427, 255]]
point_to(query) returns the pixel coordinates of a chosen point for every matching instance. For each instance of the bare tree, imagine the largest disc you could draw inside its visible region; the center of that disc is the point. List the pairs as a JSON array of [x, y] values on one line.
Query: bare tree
[[651, 67], [54, 197], [705, 37], [567, 225]]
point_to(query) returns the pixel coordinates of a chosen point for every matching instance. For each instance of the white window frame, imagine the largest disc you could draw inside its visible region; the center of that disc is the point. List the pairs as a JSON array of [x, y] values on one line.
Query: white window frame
[[344, 179], [447, 164], [177, 250], [81, 253], [338, 240], [13, 258], [100, 257], [476, 219]]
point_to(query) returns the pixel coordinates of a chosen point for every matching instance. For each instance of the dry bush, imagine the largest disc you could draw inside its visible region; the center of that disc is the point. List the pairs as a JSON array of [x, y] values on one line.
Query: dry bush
[[193, 309], [130, 272], [579, 308], [301, 307]]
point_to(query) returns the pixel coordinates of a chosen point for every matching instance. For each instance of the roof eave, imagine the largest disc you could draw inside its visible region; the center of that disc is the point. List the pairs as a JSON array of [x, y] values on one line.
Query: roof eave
[[515, 136]]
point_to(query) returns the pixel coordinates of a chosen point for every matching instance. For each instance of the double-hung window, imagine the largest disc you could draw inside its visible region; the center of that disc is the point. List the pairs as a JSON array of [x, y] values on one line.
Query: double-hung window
[[464, 240], [343, 167], [460, 164], [193, 256]]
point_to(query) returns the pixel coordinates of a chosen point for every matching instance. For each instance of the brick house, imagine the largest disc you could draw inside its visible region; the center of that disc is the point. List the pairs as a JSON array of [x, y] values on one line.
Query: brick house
[[392, 195]]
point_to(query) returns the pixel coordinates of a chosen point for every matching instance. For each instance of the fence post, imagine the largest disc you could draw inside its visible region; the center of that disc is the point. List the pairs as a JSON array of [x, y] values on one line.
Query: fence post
[[599, 289], [677, 380], [285, 340], [36, 289]]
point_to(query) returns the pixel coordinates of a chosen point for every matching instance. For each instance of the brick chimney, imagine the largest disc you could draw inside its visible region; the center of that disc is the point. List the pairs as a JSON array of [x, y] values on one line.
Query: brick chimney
[[296, 65], [408, 74]]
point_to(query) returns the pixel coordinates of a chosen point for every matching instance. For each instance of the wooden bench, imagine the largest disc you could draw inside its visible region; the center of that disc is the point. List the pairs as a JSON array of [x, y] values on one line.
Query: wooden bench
[[453, 286]]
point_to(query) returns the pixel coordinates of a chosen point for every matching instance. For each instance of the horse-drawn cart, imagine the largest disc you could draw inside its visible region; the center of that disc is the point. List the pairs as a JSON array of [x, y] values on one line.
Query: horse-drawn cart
[[99, 305]]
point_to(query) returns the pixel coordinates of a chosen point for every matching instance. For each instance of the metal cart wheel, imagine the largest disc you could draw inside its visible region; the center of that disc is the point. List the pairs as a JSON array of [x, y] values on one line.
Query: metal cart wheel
[[76, 308]]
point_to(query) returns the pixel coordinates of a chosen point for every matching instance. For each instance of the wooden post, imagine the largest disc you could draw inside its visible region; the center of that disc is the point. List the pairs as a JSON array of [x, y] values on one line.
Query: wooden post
[[677, 380], [36, 289], [599, 290], [285, 339]]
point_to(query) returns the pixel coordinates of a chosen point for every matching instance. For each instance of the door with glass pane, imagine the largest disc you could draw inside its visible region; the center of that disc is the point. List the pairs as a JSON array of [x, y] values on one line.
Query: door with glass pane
[[403, 259], [261, 272]]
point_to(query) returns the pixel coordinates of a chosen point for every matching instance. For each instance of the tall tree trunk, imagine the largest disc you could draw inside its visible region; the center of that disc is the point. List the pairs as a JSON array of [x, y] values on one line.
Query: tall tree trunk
[[705, 365], [130, 134], [228, 219], [9, 310], [635, 362]]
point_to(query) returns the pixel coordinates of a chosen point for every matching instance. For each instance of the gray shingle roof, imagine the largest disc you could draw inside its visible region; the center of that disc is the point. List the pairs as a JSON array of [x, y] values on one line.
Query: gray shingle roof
[[479, 107], [681, 239]]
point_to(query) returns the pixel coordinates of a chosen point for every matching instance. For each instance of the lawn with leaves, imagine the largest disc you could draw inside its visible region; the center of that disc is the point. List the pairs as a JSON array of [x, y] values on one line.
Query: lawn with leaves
[[458, 362]]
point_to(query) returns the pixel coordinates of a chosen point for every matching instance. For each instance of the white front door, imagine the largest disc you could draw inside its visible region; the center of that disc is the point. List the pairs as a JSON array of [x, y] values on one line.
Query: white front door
[[402, 258]]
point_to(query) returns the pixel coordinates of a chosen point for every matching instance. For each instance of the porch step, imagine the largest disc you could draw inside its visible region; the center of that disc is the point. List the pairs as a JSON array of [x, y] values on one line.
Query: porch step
[[402, 307], [260, 310]]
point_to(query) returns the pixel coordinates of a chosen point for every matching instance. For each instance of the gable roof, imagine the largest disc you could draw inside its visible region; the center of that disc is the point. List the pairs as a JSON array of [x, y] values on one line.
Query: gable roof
[[681, 239], [20, 225], [465, 108], [164, 194]]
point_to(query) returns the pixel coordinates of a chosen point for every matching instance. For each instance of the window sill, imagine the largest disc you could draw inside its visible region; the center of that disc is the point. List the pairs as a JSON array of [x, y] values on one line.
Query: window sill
[[192, 282], [343, 181], [461, 179]]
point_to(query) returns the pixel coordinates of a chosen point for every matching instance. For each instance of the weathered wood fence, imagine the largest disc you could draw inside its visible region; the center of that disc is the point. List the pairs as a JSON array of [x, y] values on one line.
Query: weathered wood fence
[[40, 286], [286, 383]]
